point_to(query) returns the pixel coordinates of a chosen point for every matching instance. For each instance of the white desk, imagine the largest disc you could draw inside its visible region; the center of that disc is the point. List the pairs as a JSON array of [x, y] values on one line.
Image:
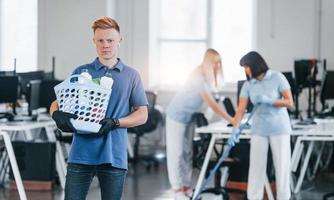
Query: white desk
[[49, 126], [323, 131]]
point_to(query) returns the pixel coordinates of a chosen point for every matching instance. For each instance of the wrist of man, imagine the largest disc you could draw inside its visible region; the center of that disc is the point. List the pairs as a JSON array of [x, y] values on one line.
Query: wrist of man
[[116, 123]]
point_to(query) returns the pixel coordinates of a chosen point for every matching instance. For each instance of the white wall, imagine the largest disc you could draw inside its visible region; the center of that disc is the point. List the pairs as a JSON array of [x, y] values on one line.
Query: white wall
[[327, 41], [65, 32], [289, 30]]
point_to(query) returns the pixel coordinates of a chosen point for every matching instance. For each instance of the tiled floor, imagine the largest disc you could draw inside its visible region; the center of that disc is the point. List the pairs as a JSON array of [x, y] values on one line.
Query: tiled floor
[[153, 185]]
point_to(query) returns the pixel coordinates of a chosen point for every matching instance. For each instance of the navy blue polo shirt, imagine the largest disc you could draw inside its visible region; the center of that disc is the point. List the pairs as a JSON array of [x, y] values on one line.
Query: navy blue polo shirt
[[127, 92]]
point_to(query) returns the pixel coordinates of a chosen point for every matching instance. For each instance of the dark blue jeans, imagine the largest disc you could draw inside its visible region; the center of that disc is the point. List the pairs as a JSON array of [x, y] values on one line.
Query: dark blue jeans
[[79, 178]]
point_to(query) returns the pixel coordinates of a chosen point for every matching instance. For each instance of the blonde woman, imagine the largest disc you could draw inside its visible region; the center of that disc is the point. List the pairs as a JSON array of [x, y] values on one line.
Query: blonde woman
[[188, 100]]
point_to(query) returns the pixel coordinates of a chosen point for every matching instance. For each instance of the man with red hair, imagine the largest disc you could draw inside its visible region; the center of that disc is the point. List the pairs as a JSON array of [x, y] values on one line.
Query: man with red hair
[[104, 154]]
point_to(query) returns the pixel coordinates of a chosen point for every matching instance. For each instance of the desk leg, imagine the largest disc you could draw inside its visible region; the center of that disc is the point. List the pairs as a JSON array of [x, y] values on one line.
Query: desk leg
[[28, 135], [60, 160], [60, 165], [303, 169], [205, 165], [15, 168], [3, 166], [130, 149], [296, 155], [319, 155], [4, 161]]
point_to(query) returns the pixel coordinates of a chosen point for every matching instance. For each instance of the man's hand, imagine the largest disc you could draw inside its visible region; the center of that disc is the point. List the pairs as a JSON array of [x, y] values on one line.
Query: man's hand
[[108, 125], [263, 99], [234, 138], [62, 120]]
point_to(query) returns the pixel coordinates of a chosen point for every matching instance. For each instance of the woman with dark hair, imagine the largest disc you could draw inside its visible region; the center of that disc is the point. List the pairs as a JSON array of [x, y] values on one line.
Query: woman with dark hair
[[270, 92]]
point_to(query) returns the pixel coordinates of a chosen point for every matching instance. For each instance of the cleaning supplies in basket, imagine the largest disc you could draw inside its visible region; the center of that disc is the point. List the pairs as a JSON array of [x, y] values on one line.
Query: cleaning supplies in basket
[[88, 100], [107, 81], [84, 75]]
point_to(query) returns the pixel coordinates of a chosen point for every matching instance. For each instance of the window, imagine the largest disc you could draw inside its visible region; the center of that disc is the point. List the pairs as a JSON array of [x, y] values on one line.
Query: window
[[232, 34], [181, 31], [18, 31]]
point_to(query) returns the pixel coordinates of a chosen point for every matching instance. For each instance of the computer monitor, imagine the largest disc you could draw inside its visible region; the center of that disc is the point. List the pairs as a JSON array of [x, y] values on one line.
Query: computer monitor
[[305, 72], [47, 93], [33, 95], [7, 73], [8, 89], [327, 85], [250, 105], [26, 77], [49, 76]]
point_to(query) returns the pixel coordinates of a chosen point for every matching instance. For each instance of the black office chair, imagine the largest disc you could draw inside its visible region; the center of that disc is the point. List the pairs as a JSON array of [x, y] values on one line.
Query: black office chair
[[154, 119], [329, 195], [229, 106]]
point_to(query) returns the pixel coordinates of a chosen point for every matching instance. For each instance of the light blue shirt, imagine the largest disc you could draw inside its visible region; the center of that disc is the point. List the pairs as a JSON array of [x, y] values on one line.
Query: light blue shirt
[[268, 120], [127, 92], [188, 100]]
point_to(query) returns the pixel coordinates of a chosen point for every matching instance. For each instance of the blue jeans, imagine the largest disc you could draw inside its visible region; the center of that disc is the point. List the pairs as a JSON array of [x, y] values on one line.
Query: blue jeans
[[79, 178]]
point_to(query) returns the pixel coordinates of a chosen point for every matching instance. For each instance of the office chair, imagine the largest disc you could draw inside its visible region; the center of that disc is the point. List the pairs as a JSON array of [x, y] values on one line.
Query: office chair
[[229, 106], [154, 119], [329, 195]]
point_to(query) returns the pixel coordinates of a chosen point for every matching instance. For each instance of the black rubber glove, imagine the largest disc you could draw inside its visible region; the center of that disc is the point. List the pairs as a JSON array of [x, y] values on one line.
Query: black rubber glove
[[62, 120], [108, 125]]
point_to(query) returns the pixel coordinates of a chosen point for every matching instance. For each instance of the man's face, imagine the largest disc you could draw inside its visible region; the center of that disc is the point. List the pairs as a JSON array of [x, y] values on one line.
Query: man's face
[[107, 42]]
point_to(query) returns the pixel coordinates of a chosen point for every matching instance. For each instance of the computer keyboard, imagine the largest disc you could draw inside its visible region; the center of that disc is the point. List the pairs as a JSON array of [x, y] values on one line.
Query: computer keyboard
[[23, 118]]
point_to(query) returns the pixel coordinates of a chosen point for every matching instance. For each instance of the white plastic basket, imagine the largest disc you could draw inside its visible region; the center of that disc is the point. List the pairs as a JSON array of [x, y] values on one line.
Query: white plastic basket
[[87, 100]]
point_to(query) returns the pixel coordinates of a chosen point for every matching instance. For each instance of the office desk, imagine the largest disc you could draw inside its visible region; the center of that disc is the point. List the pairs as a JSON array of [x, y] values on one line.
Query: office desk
[[49, 126], [323, 131]]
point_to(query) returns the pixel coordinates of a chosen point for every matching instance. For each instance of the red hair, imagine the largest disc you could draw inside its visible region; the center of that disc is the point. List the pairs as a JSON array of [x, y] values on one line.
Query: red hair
[[105, 23]]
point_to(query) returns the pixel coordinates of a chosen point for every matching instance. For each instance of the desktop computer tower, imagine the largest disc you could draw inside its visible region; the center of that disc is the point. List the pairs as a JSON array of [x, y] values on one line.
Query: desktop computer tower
[[36, 160], [238, 171]]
